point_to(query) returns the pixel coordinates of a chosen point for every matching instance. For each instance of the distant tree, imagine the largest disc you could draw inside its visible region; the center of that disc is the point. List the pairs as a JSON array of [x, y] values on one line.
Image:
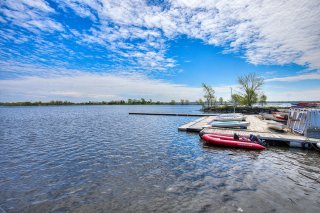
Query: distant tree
[[209, 94], [236, 99], [186, 102], [173, 102], [143, 101], [250, 85], [221, 100], [200, 101], [263, 99], [182, 101]]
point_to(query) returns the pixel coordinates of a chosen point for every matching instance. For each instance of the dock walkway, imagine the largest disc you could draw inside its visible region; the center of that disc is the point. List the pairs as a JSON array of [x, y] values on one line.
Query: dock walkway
[[197, 125], [171, 114]]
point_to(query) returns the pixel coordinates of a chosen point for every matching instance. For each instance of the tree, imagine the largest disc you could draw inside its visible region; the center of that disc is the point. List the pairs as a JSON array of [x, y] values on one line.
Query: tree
[[209, 94], [263, 99], [200, 101], [182, 101], [173, 102], [221, 100], [236, 99], [250, 85], [143, 101]]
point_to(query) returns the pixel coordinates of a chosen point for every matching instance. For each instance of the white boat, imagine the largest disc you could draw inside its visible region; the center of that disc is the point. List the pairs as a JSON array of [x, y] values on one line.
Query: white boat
[[267, 116], [231, 117], [241, 124], [276, 125]]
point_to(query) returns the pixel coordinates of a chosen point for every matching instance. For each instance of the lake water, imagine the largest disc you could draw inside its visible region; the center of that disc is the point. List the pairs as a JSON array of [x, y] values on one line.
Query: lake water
[[100, 159]]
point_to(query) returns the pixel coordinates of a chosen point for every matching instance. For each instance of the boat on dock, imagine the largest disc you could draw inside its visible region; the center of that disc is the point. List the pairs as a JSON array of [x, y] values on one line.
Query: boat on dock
[[279, 118], [231, 117], [276, 125], [266, 116], [230, 124], [221, 140]]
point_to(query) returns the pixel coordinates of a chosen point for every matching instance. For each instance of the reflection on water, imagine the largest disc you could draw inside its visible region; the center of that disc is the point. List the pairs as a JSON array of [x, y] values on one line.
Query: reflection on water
[[99, 158]]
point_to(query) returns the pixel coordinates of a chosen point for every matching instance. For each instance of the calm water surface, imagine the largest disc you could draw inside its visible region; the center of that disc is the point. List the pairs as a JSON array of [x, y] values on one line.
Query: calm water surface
[[100, 159]]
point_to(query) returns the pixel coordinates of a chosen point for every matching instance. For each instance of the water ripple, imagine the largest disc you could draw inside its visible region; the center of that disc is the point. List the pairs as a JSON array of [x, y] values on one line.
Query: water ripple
[[100, 159]]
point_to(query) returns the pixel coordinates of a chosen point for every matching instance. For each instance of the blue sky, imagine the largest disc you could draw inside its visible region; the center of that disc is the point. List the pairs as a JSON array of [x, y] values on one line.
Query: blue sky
[[82, 50]]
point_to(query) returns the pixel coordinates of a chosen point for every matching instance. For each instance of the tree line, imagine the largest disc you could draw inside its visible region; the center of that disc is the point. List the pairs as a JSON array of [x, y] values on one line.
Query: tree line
[[140, 101]]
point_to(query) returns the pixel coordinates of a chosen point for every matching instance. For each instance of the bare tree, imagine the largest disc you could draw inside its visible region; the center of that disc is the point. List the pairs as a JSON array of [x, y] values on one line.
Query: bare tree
[[209, 94]]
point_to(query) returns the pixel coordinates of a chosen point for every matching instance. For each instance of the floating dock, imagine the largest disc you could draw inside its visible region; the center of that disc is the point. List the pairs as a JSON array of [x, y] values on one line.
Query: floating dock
[[256, 127], [170, 114], [197, 125]]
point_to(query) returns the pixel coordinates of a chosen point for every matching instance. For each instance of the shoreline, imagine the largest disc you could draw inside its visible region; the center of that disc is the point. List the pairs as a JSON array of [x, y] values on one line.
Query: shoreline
[[244, 110]]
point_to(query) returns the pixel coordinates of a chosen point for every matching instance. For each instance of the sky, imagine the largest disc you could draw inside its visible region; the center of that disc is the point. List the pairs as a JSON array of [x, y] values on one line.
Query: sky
[[102, 50]]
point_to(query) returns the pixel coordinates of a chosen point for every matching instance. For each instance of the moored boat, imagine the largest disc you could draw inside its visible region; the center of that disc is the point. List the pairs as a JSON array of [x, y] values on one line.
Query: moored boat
[[230, 137], [211, 139]]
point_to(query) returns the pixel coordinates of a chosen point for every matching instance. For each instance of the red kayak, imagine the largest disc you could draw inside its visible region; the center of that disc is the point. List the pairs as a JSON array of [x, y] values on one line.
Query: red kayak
[[231, 143]]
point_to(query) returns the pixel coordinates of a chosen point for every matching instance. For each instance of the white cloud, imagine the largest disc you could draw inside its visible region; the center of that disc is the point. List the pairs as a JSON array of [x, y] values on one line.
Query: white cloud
[[283, 94], [86, 87], [134, 36], [309, 76], [269, 31], [2, 20], [266, 31], [38, 4], [15, 68], [31, 15], [46, 83]]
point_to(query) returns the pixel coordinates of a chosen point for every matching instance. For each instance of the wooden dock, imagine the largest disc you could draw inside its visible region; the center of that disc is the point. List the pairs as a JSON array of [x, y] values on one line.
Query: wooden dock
[[170, 114], [256, 127], [197, 125]]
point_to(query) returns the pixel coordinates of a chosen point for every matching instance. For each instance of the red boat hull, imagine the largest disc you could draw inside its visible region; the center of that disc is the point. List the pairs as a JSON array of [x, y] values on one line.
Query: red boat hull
[[231, 143], [230, 137], [279, 117]]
